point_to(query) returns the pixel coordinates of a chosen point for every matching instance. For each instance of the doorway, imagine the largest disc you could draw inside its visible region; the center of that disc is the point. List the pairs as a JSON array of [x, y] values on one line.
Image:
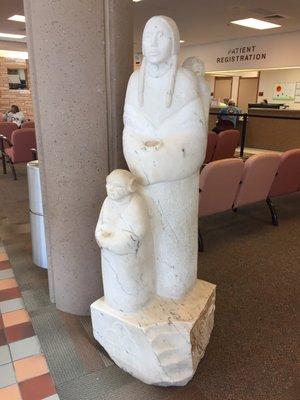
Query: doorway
[[247, 93], [223, 87]]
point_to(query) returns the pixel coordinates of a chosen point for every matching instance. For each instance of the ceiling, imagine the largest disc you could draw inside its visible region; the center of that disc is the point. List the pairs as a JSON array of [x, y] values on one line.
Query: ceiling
[[199, 21], [206, 21]]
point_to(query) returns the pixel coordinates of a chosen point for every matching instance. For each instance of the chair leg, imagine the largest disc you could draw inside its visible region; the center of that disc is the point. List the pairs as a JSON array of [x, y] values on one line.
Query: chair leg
[[200, 242], [3, 164], [13, 169], [272, 211]]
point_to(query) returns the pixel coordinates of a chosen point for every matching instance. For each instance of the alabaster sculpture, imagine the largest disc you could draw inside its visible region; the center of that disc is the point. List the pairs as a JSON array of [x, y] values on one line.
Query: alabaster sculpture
[[158, 335], [197, 67], [123, 233]]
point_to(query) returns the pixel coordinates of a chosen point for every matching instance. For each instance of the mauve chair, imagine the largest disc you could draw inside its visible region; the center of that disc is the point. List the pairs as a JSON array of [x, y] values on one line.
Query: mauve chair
[[227, 142], [6, 130], [218, 185], [258, 176], [28, 124], [20, 150], [287, 179], [212, 139]]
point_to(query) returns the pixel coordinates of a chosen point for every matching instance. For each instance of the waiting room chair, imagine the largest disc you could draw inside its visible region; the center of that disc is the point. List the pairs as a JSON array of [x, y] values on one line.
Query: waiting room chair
[[287, 179], [218, 185], [212, 139], [227, 142], [28, 124], [20, 148], [258, 176], [6, 130]]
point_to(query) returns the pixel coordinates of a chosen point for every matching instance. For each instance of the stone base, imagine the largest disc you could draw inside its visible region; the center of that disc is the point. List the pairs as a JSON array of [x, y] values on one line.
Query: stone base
[[163, 343]]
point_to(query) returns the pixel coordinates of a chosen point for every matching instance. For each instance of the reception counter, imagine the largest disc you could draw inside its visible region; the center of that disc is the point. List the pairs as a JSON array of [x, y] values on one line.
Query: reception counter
[[268, 129], [273, 129]]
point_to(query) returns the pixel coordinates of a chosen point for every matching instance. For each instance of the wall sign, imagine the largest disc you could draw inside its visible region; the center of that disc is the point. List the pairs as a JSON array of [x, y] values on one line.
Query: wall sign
[[284, 91], [243, 53]]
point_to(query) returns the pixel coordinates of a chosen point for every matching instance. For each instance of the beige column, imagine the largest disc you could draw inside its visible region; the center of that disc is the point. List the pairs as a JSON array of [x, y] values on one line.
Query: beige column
[[69, 52]]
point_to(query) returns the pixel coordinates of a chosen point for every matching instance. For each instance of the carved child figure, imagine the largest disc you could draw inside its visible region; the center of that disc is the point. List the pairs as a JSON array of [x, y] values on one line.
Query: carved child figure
[[123, 233]]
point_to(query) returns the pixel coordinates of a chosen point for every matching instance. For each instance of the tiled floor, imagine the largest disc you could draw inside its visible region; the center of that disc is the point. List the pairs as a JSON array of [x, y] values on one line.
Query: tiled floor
[[24, 373]]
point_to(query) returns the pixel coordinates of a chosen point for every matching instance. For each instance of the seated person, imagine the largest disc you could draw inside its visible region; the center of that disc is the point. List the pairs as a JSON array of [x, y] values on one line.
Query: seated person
[[14, 115], [225, 113]]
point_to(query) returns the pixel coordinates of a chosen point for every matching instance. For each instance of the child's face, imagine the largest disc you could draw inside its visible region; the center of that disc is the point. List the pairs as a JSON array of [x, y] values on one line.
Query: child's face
[[117, 190]]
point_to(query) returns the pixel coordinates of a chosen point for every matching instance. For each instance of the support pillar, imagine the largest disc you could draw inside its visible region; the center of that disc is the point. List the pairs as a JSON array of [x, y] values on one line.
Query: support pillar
[[71, 45]]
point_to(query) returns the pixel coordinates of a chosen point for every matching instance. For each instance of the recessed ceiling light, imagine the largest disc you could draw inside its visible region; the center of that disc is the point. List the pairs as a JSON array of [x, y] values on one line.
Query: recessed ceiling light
[[19, 18], [255, 23], [182, 41], [11, 36], [136, 1]]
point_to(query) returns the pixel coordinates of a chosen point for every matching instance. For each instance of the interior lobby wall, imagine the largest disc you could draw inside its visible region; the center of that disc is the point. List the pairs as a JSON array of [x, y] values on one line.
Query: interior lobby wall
[[268, 80], [21, 98], [270, 51]]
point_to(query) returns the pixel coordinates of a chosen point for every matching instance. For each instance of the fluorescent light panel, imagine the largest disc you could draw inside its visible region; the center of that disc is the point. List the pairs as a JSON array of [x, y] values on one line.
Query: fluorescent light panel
[[11, 36], [19, 18], [255, 23]]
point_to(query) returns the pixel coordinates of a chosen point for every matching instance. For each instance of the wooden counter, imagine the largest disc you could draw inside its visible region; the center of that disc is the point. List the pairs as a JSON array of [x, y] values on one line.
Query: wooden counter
[[273, 129]]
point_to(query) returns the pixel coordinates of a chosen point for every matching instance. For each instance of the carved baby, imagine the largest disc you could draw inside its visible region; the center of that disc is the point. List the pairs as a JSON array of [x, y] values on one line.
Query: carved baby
[[123, 233]]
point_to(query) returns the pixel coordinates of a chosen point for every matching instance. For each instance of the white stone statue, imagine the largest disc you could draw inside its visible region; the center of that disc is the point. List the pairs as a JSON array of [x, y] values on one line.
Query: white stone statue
[[156, 318], [164, 145], [123, 233], [197, 67]]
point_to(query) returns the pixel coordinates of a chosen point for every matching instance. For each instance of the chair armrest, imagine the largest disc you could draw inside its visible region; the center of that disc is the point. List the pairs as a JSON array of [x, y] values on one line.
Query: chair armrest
[[4, 139]]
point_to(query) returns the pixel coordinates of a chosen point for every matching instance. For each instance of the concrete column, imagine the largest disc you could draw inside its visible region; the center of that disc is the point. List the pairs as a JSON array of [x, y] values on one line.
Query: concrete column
[[68, 54]]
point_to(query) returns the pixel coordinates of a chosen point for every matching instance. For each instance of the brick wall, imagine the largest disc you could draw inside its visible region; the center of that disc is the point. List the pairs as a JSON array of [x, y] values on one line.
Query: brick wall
[[21, 98]]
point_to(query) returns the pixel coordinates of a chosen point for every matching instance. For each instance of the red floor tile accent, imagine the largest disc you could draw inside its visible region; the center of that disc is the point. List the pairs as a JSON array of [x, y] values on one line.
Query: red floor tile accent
[[31, 372], [2, 337], [4, 265], [37, 388], [20, 331], [8, 294]]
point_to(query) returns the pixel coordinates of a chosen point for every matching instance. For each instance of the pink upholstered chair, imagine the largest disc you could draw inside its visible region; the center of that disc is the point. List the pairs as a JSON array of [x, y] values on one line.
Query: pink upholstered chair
[[257, 179], [227, 142], [212, 139], [28, 124], [6, 130], [287, 179], [20, 150], [219, 181]]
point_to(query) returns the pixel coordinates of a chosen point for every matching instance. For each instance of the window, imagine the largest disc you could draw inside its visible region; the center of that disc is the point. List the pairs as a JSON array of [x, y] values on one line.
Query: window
[[17, 78]]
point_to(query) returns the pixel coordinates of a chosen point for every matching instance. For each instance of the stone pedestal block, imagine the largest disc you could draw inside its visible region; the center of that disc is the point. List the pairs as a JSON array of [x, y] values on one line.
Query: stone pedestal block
[[163, 343]]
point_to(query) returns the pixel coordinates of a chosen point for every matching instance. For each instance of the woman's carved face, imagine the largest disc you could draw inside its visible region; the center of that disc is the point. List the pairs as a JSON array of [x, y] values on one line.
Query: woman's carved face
[[157, 42]]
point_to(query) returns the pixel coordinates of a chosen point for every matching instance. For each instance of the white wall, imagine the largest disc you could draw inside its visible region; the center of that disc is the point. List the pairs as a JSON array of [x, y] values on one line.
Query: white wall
[[274, 51], [268, 79]]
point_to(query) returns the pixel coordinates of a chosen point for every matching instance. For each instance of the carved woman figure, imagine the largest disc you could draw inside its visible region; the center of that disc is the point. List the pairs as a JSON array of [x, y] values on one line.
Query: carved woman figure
[[164, 143], [124, 236]]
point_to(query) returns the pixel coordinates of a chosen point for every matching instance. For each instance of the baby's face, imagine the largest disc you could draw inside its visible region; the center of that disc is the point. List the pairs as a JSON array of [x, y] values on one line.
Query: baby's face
[[116, 190]]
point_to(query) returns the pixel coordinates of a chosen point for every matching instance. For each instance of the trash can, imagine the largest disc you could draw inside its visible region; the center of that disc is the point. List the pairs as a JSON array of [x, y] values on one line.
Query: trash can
[[39, 252]]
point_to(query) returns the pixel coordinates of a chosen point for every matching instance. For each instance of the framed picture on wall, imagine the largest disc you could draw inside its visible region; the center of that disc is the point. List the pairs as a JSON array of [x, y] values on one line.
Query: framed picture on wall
[[284, 91]]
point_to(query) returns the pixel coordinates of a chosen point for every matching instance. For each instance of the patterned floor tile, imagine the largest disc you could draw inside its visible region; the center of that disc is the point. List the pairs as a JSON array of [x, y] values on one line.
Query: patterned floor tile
[[8, 283], [25, 348], [4, 265], [10, 393], [30, 367], [37, 388], [6, 274], [19, 332], [15, 318], [7, 375], [3, 256], [11, 305], [4, 355], [3, 340], [9, 294]]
